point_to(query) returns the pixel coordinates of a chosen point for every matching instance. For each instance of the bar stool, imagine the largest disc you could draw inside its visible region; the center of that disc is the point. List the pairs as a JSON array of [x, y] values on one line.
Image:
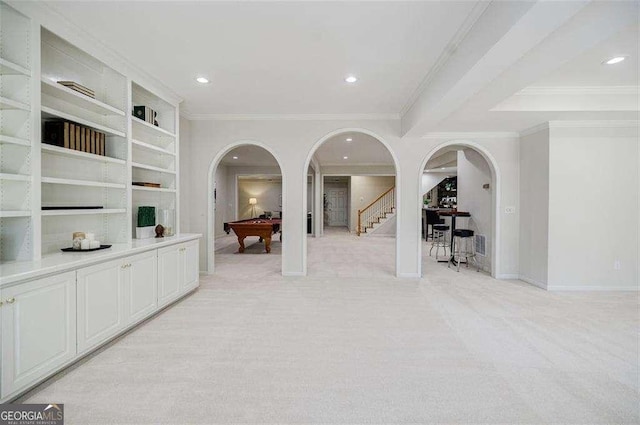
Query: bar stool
[[439, 238], [464, 246]]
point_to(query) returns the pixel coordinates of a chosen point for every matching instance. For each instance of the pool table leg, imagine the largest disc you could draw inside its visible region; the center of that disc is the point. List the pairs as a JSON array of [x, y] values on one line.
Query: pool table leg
[[241, 242], [267, 244]]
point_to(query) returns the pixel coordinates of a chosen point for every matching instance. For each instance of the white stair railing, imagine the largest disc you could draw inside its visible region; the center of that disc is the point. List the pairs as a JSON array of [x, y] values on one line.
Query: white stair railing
[[376, 210]]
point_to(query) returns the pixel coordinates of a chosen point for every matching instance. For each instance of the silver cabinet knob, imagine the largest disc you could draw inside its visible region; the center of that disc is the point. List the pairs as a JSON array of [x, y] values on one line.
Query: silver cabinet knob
[[11, 300]]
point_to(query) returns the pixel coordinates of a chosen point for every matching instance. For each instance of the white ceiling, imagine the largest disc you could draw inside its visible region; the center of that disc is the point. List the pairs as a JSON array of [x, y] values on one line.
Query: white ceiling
[[587, 69], [249, 156], [362, 150], [278, 57]]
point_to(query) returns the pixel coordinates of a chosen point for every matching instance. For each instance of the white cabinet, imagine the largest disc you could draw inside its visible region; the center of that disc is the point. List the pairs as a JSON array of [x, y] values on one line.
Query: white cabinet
[[100, 303], [190, 259], [178, 271], [168, 274], [140, 282], [114, 295], [38, 329]]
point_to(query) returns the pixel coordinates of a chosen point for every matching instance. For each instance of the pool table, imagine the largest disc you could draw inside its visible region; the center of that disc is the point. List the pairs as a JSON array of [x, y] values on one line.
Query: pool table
[[261, 227]]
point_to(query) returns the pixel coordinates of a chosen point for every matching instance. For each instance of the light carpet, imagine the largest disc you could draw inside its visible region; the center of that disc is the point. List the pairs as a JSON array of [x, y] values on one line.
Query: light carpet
[[459, 348]]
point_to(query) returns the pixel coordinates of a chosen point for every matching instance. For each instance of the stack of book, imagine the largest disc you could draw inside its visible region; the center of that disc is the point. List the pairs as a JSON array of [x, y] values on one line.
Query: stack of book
[[70, 135], [77, 87], [146, 114]]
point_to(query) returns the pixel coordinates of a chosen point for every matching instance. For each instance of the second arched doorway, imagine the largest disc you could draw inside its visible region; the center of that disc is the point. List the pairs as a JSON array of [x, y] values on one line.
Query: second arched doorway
[[356, 202]]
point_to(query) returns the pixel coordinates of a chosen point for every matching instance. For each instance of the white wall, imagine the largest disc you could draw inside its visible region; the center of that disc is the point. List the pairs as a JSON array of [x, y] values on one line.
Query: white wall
[[431, 180], [593, 206], [185, 175], [473, 173], [534, 207], [364, 190], [267, 193], [293, 141]]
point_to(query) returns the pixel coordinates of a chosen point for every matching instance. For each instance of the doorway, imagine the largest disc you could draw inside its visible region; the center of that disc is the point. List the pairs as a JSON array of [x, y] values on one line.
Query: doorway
[[460, 177], [246, 185]]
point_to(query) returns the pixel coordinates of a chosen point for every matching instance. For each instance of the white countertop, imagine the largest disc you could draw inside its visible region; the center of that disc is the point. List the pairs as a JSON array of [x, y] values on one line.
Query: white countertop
[[63, 261]]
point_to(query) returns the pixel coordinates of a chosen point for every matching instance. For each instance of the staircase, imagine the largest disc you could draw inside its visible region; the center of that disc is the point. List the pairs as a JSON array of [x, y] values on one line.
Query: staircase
[[377, 212]]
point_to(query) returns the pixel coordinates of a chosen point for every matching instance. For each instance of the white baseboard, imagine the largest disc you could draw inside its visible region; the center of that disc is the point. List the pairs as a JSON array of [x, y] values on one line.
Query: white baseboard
[[293, 274], [409, 275], [506, 276], [534, 282], [595, 288]]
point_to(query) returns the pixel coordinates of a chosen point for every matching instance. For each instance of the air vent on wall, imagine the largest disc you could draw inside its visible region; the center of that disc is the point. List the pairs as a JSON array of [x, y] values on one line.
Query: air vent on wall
[[481, 245]]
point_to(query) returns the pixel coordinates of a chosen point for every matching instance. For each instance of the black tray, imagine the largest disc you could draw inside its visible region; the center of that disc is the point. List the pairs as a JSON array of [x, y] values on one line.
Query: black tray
[[85, 250], [72, 208]]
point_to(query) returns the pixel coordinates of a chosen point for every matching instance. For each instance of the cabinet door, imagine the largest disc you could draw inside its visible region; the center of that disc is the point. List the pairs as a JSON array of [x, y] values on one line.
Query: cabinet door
[[38, 329], [100, 303], [191, 268], [140, 276], [169, 278]]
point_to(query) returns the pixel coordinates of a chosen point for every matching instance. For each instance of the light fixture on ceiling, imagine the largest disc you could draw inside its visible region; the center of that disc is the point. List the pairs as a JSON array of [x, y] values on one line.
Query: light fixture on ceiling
[[345, 157], [349, 139], [235, 157], [202, 80], [351, 79], [614, 60]]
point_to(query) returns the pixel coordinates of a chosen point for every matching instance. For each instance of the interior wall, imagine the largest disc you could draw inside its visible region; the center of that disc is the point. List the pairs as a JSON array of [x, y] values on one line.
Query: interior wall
[[534, 207], [233, 203], [593, 206], [222, 204], [473, 173], [431, 180], [185, 175], [267, 193], [364, 190], [293, 141]]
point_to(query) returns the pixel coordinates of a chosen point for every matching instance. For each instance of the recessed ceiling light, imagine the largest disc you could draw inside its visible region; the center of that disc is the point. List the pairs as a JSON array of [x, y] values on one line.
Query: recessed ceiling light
[[351, 79], [617, 59], [349, 139], [235, 157], [442, 168], [202, 80], [345, 157]]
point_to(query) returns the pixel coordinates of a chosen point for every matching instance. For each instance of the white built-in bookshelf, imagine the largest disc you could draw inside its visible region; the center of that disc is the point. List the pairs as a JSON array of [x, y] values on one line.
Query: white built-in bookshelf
[[154, 154], [16, 137], [48, 191]]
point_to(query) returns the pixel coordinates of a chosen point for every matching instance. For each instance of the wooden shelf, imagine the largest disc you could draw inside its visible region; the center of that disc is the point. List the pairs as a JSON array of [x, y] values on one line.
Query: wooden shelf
[[56, 150], [6, 103], [71, 96], [10, 68], [50, 213], [150, 147], [10, 214], [152, 168], [14, 141], [153, 189], [55, 180], [159, 131], [15, 177], [50, 112]]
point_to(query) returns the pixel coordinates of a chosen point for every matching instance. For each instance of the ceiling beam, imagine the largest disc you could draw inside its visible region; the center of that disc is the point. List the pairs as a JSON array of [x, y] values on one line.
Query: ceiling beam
[[504, 33]]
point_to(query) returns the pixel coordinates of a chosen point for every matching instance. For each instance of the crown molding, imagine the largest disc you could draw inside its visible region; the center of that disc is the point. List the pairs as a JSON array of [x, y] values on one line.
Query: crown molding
[[595, 124], [359, 164], [472, 135], [46, 16], [579, 90], [580, 124], [290, 117], [476, 12]]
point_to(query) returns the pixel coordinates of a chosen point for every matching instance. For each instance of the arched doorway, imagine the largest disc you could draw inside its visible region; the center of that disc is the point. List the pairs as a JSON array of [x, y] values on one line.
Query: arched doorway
[[245, 182], [356, 198], [462, 174]]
